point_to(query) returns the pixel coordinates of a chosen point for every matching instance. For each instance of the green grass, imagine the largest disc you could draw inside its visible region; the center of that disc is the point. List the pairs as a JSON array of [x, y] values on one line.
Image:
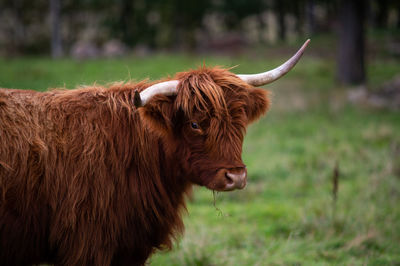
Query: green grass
[[285, 216]]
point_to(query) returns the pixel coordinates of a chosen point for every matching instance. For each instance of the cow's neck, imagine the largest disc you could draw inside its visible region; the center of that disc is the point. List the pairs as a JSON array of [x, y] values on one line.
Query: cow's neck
[[163, 194]]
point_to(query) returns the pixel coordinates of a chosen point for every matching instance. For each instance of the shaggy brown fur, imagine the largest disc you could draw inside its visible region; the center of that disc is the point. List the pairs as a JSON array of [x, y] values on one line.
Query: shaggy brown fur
[[88, 179]]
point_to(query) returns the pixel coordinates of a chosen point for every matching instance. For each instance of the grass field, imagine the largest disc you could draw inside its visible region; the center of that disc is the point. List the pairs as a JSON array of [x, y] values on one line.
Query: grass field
[[286, 215]]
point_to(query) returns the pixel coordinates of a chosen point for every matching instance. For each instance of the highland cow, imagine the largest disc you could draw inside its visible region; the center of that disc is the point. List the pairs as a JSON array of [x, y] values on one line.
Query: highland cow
[[98, 176]]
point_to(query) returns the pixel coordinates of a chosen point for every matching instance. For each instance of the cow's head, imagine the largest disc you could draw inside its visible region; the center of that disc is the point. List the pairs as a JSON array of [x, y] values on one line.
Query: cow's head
[[203, 115]]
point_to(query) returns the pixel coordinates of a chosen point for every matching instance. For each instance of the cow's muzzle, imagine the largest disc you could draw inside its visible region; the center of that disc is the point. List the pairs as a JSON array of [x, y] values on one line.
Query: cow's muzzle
[[236, 180], [229, 179]]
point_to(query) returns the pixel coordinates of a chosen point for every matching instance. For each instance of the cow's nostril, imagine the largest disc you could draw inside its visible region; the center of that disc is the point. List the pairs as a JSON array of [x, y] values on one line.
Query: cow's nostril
[[228, 178]]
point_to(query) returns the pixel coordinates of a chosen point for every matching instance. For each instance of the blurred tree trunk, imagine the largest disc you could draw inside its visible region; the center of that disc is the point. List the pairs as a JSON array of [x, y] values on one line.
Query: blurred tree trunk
[[299, 15], [350, 61], [56, 46], [177, 32], [263, 26], [280, 10], [18, 34], [398, 16], [126, 17], [310, 20], [382, 13]]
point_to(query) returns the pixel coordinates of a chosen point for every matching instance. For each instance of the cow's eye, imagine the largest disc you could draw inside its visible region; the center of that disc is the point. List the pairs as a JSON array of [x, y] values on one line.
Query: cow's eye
[[195, 125]]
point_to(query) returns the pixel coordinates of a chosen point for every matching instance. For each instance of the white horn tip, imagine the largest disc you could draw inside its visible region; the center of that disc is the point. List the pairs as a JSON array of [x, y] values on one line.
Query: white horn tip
[[305, 44]]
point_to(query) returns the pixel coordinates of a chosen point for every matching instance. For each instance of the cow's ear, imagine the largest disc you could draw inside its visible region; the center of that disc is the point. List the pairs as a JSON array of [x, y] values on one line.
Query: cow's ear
[[258, 104], [157, 115]]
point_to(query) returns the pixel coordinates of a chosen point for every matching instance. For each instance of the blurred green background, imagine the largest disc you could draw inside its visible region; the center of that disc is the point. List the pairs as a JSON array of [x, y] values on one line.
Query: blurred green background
[[323, 164]]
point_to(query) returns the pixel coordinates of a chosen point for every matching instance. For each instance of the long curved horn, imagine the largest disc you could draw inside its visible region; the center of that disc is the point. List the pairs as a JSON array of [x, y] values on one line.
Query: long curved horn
[[166, 88], [274, 74]]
